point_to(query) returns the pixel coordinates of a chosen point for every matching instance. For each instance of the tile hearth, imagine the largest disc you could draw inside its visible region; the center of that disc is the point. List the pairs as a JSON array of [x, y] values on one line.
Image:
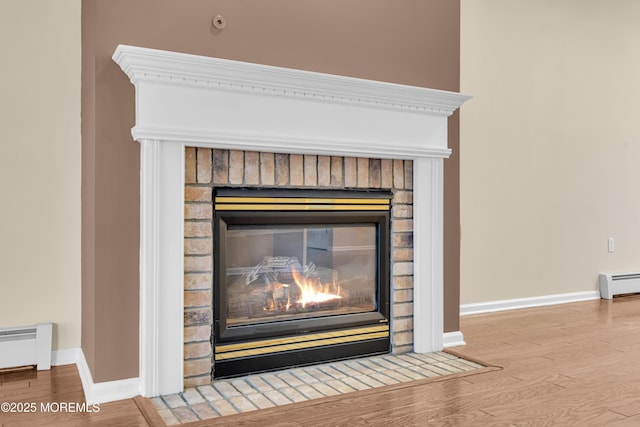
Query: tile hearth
[[261, 391]]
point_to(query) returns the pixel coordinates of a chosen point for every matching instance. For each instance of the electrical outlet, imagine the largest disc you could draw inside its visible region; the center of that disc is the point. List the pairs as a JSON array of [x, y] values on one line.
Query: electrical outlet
[[610, 244]]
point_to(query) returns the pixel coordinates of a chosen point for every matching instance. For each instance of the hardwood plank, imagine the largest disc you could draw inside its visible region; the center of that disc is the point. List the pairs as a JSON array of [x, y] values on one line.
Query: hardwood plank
[[569, 364]]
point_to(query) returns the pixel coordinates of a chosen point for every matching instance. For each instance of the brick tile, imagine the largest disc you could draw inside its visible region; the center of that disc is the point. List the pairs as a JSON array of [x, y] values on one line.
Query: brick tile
[[386, 380], [402, 254], [408, 174], [439, 370], [192, 396], [185, 414], [204, 165], [197, 333], [331, 371], [403, 282], [197, 350], [296, 169], [403, 240], [259, 384], [309, 392], [360, 367], [198, 316], [350, 172], [158, 403], [190, 165], [424, 371], [236, 167], [403, 197], [197, 246], [336, 171], [310, 170], [197, 381], [226, 389], [411, 373], [397, 376], [303, 376], [403, 295], [398, 174], [242, 404], [401, 325], [282, 169], [401, 225], [197, 367], [402, 338], [402, 309], [412, 361], [317, 374], [324, 171], [277, 397], [209, 393], [375, 173], [197, 194], [363, 172], [221, 166], [197, 229], [340, 386], [204, 411], [243, 386], [291, 380], [260, 401], [273, 381], [267, 169], [291, 394], [168, 417], [198, 211], [194, 264], [174, 401], [345, 369], [387, 362], [386, 172], [193, 281], [402, 211], [197, 298], [251, 168], [325, 389], [223, 407], [368, 380], [354, 383], [402, 268]]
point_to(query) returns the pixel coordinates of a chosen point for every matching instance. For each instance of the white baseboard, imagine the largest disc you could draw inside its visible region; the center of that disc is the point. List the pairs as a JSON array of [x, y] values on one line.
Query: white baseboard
[[453, 339], [66, 356], [513, 304], [95, 392]]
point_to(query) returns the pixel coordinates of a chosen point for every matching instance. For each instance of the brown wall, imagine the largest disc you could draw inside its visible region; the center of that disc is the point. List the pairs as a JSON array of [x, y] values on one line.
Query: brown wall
[[413, 42]]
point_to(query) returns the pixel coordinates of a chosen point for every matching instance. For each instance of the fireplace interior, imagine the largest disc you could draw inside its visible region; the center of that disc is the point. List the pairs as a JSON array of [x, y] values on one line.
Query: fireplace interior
[[301, 277]]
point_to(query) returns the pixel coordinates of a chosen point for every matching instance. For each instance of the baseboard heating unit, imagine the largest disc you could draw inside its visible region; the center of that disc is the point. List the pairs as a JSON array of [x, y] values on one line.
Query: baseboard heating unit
[[26, 345], [619, 284]]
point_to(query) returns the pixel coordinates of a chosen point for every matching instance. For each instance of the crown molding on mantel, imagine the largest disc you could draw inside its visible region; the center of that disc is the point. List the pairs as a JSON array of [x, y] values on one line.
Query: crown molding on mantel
[[142, 64]]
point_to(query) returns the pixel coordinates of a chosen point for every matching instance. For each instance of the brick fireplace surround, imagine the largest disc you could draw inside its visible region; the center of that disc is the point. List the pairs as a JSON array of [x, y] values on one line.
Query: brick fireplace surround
[[206, 169], [202, 121]]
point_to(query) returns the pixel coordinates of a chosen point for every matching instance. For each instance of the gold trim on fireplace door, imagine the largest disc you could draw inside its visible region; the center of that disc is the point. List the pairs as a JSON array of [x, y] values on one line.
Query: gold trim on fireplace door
[[298, 204], [232, 351]]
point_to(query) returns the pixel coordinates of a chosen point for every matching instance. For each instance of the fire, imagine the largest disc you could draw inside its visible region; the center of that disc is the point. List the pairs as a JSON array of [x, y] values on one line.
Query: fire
[[312, 291]]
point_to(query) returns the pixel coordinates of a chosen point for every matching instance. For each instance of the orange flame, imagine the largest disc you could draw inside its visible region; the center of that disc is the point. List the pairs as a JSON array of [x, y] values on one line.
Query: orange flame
[[313, 291]]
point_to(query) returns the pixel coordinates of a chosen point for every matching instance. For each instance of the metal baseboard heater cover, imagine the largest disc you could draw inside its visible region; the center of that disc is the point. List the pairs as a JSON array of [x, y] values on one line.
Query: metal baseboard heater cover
[[619, 284], [26, 345]]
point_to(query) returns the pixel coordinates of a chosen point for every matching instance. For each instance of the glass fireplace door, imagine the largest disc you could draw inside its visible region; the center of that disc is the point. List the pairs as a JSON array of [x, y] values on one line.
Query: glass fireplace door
[[282, 272]]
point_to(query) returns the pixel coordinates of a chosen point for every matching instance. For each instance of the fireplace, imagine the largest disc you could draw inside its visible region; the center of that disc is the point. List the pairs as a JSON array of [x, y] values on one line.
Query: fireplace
[[301, 277], [187, 101]]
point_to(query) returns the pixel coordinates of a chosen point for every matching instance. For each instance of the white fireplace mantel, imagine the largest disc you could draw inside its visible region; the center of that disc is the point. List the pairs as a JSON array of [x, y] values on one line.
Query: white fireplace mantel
[[187, 100]]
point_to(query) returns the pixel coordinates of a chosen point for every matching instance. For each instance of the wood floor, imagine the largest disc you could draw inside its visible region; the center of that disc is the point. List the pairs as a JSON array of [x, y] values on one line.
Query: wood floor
[[572, 364]]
